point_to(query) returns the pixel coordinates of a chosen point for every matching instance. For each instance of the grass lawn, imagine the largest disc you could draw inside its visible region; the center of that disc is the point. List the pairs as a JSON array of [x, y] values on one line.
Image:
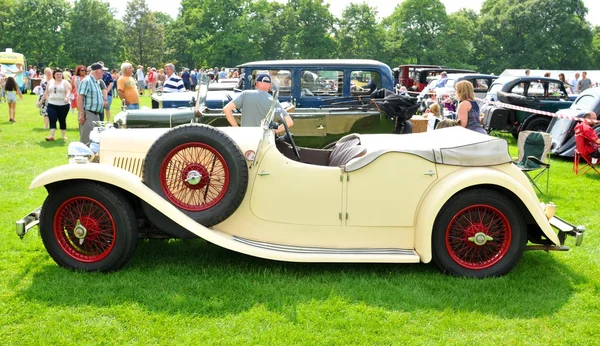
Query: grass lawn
[[194, 293]]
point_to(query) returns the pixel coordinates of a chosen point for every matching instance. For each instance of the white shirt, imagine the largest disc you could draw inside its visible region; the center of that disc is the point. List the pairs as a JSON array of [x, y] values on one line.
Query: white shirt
[[574, 85]]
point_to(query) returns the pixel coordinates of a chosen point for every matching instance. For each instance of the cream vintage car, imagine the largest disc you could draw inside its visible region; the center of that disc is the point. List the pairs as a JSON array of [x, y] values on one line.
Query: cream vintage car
[[451, 196]]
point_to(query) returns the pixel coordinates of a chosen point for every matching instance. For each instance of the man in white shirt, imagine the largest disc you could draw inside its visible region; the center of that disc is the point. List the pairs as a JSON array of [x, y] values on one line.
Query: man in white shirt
[[140, 79], [173, 83]]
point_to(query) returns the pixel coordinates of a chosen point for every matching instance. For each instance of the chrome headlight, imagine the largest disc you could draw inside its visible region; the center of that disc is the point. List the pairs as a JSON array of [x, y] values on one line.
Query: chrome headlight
[[80, 153]]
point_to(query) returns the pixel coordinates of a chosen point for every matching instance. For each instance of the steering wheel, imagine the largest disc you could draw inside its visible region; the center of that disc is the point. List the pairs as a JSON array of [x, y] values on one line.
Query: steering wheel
[[289, 134]]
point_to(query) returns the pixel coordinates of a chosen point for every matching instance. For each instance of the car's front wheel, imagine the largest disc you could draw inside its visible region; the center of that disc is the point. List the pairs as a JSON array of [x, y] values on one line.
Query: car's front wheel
[[478, 233], [88, 226]]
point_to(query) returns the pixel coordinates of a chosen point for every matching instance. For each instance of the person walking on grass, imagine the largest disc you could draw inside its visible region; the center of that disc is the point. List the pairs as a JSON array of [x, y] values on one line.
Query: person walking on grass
[[11, 88], [58, 93], [90, 102]]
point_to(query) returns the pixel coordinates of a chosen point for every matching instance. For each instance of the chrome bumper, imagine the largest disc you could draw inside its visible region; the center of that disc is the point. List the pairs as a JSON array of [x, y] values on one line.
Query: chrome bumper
[[25, 224], [565, 229]]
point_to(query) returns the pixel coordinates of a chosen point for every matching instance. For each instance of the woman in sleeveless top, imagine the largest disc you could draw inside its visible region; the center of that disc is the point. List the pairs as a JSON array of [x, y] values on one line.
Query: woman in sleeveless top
[[57, 93], [468, 109]]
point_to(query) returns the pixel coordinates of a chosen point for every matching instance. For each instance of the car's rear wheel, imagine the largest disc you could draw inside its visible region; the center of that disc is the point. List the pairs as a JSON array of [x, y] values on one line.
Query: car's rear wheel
[[200, 170], [88, 226], [539, 124], [478, 233]]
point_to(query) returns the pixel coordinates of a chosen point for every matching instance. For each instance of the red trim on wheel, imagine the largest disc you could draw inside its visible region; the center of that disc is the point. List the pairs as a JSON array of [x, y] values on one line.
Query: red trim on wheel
[[199, 157], [478, 219], [100, 235]]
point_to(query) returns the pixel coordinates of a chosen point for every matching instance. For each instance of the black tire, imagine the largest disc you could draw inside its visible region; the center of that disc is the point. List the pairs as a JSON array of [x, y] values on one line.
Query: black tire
[[468, 218], [203, 149], [108, 238], [538, 124]]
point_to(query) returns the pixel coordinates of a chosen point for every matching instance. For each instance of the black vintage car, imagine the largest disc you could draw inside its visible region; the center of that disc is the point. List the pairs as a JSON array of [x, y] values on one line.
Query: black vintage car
[[545, 94], [562, 130]]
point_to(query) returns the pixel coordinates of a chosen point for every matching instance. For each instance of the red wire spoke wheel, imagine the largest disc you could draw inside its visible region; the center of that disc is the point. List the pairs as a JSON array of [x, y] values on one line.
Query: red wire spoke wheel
[[88, 226], [478, 237], [200, 170], [194, 176], [84, 229], [478, 233]]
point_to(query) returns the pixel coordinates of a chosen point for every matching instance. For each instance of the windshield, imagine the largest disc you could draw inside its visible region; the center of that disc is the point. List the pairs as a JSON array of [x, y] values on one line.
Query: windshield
[[270, 117], [201, 95], [586, 102]]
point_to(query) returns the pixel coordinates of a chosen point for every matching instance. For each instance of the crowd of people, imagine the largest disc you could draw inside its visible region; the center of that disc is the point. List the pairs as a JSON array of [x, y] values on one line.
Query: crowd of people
[[88, 91]]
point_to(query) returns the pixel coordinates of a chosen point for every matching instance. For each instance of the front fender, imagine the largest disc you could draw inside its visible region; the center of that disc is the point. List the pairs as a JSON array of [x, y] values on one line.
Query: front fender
[[461, 179]]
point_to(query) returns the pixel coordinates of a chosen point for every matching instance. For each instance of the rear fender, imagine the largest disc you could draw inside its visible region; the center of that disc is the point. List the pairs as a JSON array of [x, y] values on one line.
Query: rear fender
[[462, 179]]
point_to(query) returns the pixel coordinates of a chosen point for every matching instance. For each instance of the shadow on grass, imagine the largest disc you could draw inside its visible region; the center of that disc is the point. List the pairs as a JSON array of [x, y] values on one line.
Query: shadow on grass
[[194, 277]]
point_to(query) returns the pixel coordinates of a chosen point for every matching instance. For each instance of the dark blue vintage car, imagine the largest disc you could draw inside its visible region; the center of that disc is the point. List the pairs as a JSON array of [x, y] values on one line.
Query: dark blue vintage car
[[562, 130]]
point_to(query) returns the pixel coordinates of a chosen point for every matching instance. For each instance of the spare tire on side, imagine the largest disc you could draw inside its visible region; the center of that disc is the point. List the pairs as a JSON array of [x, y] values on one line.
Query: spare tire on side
[[200, 170]]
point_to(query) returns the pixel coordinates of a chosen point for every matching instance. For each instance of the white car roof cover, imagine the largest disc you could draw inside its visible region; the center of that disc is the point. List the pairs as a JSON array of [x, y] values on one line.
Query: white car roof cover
[[454, 146]]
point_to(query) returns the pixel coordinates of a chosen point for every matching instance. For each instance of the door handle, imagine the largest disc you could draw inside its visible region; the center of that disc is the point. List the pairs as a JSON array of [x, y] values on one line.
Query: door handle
[[320, 127], [430, 173], [261, 173]]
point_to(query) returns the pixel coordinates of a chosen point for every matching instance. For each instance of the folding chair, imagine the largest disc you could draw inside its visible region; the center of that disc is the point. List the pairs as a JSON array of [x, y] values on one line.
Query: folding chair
[[582, 164], [534, 148], [579, 167]]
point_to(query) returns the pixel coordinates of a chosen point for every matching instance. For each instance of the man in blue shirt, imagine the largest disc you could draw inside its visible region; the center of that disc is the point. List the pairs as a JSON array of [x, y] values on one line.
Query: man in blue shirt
[[109, 81], [443, 80]]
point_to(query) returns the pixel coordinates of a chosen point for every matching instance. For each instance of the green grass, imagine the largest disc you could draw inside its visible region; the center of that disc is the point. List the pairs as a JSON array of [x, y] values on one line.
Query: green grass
[[192, 292]]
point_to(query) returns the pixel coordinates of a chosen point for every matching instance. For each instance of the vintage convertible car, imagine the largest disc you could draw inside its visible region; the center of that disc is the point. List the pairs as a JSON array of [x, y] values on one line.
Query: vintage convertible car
[[460, 202], [538, 93], [563, 129]]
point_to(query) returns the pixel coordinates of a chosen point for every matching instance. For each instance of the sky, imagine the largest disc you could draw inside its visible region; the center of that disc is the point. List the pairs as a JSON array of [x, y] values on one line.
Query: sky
[[384, 7]]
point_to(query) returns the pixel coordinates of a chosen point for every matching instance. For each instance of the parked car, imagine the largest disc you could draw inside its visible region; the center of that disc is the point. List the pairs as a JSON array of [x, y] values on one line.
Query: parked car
[[327, 96], [563, 130], [481, 84], [461, 202], [421, 77], [544, 94]]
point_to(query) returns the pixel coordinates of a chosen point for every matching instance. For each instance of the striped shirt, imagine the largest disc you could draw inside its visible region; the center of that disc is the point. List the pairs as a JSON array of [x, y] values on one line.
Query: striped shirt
[[173, 84], [92, 95]]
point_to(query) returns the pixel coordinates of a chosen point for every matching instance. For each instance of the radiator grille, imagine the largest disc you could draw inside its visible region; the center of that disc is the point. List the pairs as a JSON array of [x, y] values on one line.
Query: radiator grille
[[133, 165]]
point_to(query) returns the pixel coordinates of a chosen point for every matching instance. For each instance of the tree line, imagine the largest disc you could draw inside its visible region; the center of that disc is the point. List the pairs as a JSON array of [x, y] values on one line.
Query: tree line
[[534, 34]]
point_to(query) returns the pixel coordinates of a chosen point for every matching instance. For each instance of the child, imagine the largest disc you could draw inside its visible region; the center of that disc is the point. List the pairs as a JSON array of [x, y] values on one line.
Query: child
[[12, 90], [447, 123], [434, 116]]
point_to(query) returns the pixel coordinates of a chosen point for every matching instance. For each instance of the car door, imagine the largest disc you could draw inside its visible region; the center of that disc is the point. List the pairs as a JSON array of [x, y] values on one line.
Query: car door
[[289, 192], [387, 191]]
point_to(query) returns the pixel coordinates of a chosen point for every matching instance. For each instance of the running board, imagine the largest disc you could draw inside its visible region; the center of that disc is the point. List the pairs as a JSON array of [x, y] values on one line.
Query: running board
[[320, 254]]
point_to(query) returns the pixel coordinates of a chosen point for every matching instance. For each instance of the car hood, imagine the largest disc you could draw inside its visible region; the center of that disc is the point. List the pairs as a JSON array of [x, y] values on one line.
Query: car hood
[[455, 146]]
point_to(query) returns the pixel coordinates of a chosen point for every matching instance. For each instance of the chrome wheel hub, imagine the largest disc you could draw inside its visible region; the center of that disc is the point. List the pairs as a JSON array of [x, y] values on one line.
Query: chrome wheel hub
[[480, 238], [79, 231], [193, 178]]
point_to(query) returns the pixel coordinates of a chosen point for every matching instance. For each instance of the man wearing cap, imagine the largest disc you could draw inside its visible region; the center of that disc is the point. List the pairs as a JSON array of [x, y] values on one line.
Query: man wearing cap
[[89, 97], [255, 105]]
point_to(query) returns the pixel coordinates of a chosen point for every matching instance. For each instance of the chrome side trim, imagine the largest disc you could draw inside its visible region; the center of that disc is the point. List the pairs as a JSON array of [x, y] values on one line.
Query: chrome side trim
[[319, 250]]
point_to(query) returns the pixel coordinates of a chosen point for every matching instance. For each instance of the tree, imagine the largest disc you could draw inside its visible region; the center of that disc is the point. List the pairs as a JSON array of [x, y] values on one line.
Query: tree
[[308, 30], [93, 29], [38, 30], [416, 29], [359, 35], [537, 34], [457, 47], [144, 36]]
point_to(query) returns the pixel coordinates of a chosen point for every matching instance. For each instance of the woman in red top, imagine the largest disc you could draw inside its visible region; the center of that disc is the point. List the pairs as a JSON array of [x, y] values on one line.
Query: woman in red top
[[151, 79], [75, 80]]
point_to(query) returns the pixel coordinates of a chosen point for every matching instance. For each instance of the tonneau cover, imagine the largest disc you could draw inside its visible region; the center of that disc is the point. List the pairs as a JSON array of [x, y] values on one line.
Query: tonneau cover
[[455, 146]]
